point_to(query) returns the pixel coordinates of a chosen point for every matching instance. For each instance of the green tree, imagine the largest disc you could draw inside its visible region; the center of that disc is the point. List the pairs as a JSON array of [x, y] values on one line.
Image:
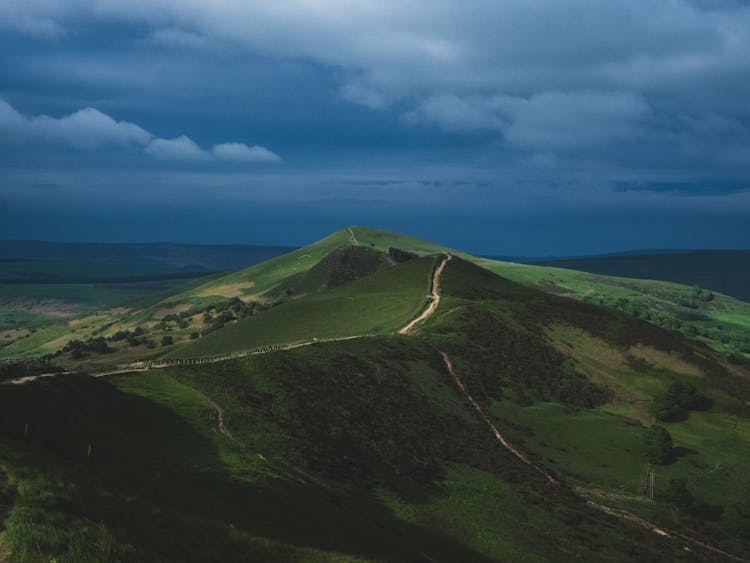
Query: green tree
[[675, 400], [167, 340], [664, 407], [658, 445]]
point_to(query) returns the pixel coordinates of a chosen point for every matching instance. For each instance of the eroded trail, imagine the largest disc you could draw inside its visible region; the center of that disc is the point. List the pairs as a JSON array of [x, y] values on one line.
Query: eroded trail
[[499, 437], [434, 298], [220, 427], [355, 242]]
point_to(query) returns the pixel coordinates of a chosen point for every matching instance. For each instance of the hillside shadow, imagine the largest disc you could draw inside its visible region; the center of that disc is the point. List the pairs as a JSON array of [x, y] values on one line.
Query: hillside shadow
[[707, 511], [165, 488], [679, 452]]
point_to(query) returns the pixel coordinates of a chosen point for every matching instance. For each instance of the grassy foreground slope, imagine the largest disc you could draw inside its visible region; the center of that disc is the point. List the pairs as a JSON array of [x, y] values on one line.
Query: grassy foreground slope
[[349, 451], [366, 449]]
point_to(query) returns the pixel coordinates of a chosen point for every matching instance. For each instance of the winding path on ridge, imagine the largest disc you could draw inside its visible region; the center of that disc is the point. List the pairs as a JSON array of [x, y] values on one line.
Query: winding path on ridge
[[434, 297], [164, 363], [355, 242], [499, 437]]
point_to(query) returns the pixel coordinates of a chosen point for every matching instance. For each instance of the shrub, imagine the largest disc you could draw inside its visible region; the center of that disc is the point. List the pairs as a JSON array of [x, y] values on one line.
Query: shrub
[[658, 445], [119, 335], [678, 398], [167, 340]]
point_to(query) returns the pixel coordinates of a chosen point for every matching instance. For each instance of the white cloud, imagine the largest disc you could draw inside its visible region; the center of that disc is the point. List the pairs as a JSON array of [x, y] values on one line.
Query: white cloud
[[422, 47], [453, 113], [358, 93], [559, 121], [239, 152], [550, 121], [179, 148], [89, 129], [525, 70]]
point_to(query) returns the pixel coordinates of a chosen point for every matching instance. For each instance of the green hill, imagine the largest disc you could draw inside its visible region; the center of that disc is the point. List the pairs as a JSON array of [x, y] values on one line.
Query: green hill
[[41, 282], [376, 304], [512, 425], [723, 271], [715, 319]]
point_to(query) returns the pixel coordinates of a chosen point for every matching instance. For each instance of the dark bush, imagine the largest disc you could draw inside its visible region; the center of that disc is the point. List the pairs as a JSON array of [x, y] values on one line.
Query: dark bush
[[658, 445]]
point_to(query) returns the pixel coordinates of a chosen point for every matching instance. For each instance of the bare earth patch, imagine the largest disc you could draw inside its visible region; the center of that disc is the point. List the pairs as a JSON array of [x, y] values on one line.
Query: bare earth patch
[[47, 307], [600, 362], [665, 360], [14, 334], [577, 342], [59, 342], [118, 311], [174, 310], [227, 290]]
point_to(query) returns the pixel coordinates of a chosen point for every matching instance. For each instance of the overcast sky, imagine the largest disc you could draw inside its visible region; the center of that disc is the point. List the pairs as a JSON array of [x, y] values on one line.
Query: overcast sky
[[521, 127]]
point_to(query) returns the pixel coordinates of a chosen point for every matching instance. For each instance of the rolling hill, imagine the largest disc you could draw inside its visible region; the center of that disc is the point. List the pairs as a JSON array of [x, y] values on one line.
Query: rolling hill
[[715, 319], [723, 271], [44, 281], [510, 423]]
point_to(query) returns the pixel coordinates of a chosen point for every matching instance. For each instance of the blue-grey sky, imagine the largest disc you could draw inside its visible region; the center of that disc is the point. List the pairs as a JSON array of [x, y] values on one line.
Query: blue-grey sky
[[518, 127]]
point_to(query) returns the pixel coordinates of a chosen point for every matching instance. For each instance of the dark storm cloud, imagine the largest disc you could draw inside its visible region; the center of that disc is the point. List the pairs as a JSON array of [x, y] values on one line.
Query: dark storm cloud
[[606, 108]]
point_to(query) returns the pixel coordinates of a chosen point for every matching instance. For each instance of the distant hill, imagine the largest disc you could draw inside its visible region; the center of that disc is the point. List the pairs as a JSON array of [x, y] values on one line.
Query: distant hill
[[42, 280], [24, 261], [725, 271]]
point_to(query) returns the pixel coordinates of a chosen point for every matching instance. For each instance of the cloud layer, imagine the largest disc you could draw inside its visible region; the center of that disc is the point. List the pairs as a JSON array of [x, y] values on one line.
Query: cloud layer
[[535, 107], [89, 129], [548, 76]]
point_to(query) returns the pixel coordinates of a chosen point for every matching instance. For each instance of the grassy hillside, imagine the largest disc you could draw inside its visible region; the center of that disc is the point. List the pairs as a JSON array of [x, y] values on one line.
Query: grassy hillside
[[723, 271], [42, 282], [717, 320], [367, 450], [375, 304], [720, 321]]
